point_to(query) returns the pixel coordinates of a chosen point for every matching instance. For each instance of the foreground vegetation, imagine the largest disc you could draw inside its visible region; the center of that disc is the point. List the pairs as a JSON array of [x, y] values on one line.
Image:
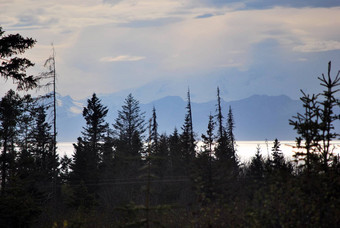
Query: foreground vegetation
[[125, 174]]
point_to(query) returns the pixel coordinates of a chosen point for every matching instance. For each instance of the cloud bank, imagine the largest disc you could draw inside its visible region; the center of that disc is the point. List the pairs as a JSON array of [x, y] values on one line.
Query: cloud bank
[[111, 46], [122, 58]]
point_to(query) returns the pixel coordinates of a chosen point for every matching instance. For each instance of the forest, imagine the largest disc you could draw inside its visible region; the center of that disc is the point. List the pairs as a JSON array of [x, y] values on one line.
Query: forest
[[125, 174]]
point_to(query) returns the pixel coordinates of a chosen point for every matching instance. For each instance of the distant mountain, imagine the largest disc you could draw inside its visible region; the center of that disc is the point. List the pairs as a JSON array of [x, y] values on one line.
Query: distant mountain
[[258, 117]]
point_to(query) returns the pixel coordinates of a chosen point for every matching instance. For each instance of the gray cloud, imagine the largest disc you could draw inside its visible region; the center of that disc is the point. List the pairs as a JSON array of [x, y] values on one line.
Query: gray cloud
[[205, 15], [266, 4], [160, 48], [318, 46], [151, 23], [122, 58], [112, 2], [33, 21]]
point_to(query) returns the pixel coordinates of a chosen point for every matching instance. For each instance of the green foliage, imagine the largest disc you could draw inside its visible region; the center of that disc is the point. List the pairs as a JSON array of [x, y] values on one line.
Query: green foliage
[[316, 125], [15, 67]]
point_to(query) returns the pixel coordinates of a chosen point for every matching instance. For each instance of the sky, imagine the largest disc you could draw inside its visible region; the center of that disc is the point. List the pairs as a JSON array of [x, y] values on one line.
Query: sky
[[156, 48]]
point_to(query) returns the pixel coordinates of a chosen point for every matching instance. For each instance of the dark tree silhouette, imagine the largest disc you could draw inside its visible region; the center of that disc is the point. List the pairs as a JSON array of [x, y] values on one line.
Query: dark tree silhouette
[[89, 148], [187, 136], [15, 67], [316, 125], [306, 125], [129, 128], [327, 115], [10, 111]]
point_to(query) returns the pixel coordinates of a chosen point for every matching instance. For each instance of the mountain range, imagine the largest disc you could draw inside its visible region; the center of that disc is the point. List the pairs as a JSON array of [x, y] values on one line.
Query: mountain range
[[258, 117]]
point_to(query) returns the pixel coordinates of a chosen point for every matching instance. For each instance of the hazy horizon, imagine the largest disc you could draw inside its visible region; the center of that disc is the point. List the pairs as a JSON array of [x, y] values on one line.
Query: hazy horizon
[[160, 48], [245, 149]]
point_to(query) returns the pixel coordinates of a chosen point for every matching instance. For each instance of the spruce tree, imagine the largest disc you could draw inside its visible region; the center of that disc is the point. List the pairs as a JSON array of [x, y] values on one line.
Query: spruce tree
[[159, 149], [231, 141], [204, 163], [129, 128], [256, 168], [226, 164], [222, 140], [316, 125], [89, 148], [277, 166], [230, 132], [209, 138], [187, 136], [42, 149], [327, 115], [108, 162], [96, 127], [15, 67], [306, 125], [277, 155], [176, 157], [19, 182], [154, 130], [10, 111]]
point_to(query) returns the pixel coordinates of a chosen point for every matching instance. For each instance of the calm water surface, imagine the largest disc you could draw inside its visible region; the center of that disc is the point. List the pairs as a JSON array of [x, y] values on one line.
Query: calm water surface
[[245, 149]]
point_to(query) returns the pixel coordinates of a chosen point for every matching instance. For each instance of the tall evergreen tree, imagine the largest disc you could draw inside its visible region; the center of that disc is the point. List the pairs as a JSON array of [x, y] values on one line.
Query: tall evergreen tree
[[277, 154], [222, 139], [230, 132], [176, 157], [96, 127], [129, 128], [209, 138], [162, 157], [159, 149], [10, 111], [19, 180], [89, 148], [316, 125], [187, 136], [43, 148], [231, 142], [226, 164], [15, 67], [327, 115], [256, 168], [306, 125], [205, 162], [277, 166], [107, 164], [154, 131]]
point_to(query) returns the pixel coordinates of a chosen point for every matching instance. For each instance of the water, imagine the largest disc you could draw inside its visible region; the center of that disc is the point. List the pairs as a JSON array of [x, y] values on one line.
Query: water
[[245, 149]]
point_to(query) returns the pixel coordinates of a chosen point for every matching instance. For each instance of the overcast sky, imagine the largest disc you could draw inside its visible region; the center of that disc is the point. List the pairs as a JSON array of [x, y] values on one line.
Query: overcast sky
[[155, 48]]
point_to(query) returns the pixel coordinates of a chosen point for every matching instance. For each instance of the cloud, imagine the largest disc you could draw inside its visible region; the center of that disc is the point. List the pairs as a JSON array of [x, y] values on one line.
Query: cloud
[[151, 23], [166, 40], [122, 58], [205, 15], [267, 4], [75, 110], [318, 46]]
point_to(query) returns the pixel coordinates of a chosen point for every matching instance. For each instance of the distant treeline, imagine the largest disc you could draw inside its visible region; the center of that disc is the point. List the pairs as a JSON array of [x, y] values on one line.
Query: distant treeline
[[125, 174]]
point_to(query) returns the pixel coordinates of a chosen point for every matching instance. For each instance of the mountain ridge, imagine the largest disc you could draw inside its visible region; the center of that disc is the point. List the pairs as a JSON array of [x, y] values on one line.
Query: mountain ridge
[[257, 117]]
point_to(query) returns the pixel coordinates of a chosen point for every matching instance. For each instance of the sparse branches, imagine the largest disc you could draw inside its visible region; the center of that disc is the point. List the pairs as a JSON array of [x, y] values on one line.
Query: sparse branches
[[327, 115], [306, 125], [315, 126]]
